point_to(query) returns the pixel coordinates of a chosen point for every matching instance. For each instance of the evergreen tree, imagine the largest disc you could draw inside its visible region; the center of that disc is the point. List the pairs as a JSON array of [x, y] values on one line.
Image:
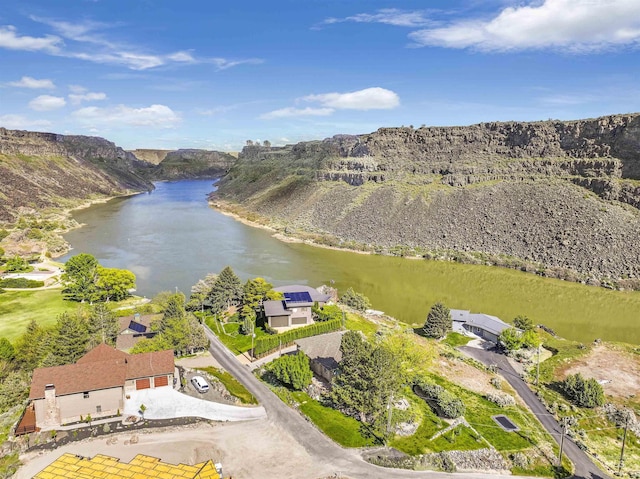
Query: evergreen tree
[[292, 370], [103, 326], [523, 322], [438, 322], [32, 346], [583, 392], [199, 292], [7, 351], [70, 340], [226, 291], [355, 300]]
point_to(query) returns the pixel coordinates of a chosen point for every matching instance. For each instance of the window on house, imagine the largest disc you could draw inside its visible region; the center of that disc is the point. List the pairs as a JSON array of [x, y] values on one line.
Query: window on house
[[98, 408], [85, 394]]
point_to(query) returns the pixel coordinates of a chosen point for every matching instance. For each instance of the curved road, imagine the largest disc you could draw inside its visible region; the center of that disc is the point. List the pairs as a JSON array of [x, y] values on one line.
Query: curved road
[[348, 462], [584, 466]]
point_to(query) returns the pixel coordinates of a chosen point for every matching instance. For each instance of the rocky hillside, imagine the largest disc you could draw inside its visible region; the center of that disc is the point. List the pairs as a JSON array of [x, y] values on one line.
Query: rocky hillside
[[181, 164], [39, 170], [149, 155], [562, 194]]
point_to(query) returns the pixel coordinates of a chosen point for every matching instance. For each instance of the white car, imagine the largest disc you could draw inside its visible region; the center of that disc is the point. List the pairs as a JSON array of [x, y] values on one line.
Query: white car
[[200, 384]]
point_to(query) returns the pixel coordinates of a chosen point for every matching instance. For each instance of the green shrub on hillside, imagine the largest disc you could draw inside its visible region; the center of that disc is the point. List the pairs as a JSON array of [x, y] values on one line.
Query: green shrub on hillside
[[447, 404], [355, 300], [292, 370], [20, 283], [583, 392]]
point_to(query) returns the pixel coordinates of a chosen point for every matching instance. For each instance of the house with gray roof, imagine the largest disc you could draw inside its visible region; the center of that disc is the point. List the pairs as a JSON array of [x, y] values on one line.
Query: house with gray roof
[[483, 325], [324, 353], [295, 308]]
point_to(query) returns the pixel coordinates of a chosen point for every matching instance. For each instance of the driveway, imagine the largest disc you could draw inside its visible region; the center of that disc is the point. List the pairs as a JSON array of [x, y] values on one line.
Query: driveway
[[166, 403], [584, 466]]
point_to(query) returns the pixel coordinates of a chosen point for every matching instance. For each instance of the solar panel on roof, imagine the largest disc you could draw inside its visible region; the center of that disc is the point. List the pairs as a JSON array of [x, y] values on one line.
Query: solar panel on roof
[[137, 327], [300, 297]]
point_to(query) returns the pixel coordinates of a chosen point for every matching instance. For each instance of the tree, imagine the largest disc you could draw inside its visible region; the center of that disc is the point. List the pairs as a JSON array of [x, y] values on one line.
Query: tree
[[327, 313], [17, 265], [530, 339], [70, 340], [266, 143], [199, 292], [583, 392], [32, 346], [1, 253], [257, 290], [523, 322], [249, 142], [510, 339], [438, 322], [292, 370], [355, 300], [114, 284], [80, 277], [103, 325], [7, 351], [226, 291], [368, 377]]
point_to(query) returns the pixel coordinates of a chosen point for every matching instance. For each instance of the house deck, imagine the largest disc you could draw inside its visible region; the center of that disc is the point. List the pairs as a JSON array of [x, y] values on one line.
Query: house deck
[[27, 424]]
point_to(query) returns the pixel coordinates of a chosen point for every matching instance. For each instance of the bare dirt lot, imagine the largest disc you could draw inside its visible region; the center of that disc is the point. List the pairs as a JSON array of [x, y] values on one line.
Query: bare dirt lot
[[617, 370], [262, 456]]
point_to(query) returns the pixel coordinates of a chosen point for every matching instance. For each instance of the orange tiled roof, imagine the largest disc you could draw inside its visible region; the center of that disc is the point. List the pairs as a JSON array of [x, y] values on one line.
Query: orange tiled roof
[[69, 466], [101, 368]]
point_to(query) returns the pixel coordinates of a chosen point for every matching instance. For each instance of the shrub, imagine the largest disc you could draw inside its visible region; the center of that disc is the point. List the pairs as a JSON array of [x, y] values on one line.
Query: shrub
[[20, 283], [292, 370], [355, 300], [496, 382], [449, 406], [327, 312], [502, 400], [583, 392], [17, 265]]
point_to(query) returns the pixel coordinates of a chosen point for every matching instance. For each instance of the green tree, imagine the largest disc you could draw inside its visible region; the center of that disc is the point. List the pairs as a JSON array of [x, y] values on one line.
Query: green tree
[[510, 339], [199, 292], [583, 392], [355, 300], [438, 322], [32, 346], [292, 370], [114, 284], [523, 322], [257, 290], [226, 291], [1, 253], [81, 273], [70, 340], [248, 319], [530, 339], [7, 351], [14, 389], [368, 377], [103, 325], [17, 265]]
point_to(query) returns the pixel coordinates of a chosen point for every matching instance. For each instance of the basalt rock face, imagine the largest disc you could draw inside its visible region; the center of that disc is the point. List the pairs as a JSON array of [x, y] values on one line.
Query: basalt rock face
[[191, 163], [565, 194], [38, 170]]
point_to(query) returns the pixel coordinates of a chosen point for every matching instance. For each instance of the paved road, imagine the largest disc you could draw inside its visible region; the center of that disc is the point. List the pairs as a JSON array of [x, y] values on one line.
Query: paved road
[[348, 462], [584, 466]]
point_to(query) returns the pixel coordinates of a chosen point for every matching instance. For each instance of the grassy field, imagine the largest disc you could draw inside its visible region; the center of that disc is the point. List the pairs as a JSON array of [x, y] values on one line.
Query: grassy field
[[355, 322], [17, 308], [232, 384], [229, 334]]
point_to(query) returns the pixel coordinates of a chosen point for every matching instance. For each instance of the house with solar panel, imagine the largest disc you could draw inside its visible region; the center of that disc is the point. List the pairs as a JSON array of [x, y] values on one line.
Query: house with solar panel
[[133, 329], [295, 309], [482, 325]]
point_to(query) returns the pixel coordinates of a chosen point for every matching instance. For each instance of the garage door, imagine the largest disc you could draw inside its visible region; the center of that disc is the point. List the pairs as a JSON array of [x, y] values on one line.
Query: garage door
[[143, 383], [160, 381], [301, 320], [279, 321]]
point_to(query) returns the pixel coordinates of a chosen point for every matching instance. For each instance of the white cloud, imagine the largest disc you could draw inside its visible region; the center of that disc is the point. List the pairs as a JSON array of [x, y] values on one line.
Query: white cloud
[[368, 99], [157, 116], [181, 57], [574, 25], [10, 39], [77, 98], [389, 16], [290, 112], [47, 103], [19, 122], [29, 82]]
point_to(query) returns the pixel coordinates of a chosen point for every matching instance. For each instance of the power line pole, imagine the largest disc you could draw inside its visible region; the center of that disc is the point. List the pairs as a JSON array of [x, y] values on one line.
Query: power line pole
[[538, 368], [564, 431], [624, 440]]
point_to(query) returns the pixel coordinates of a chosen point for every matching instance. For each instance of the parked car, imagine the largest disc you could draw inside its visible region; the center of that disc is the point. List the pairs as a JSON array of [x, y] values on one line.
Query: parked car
[[200, 384]]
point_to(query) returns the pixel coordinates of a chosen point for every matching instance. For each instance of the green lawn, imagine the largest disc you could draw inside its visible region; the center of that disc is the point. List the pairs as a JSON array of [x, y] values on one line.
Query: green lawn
[[344, 430], [456, 339], [355, 322], [234, 387], [17, 308], [229, 334]]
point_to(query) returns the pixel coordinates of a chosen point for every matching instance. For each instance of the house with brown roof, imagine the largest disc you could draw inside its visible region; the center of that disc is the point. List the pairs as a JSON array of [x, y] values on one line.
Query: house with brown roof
[[96, 384], [295, 308]]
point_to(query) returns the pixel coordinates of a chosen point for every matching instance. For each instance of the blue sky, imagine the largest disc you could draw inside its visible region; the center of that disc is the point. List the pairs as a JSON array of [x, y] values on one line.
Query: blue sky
[[210, 74]]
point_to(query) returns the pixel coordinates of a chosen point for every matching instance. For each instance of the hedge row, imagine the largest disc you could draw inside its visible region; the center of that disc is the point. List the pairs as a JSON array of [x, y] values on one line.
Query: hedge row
[[266, 344], [20, 283]]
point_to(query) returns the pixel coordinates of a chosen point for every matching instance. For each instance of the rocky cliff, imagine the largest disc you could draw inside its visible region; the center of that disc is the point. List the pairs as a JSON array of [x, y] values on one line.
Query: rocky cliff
[[562, 194], [190, 163], [39, 170]]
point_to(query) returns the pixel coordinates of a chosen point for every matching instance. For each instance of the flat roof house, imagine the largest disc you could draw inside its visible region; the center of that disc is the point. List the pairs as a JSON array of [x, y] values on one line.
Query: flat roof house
[[483, 325], [96, 384], [295, 309]]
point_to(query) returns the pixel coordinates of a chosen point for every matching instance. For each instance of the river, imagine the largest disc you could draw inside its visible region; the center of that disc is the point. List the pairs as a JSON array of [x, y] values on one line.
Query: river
[[170, 238]]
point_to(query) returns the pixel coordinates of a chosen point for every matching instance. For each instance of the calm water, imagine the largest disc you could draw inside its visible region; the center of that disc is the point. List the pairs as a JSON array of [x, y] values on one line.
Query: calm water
[[171, 237]]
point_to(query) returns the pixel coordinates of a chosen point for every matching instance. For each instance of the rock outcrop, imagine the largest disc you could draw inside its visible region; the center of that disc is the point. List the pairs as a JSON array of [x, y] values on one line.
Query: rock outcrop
[[563, 194], [39, 170], [190, 163]]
